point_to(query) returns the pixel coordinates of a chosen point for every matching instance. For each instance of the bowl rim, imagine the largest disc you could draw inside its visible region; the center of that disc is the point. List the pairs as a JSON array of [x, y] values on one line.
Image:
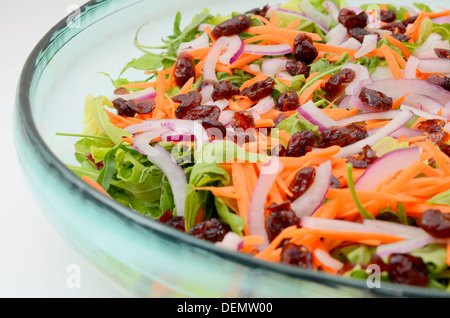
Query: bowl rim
[[50, 160]]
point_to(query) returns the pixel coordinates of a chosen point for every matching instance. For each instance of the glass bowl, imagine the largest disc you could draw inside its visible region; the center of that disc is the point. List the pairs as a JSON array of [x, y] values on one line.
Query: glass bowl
[[146, 258]]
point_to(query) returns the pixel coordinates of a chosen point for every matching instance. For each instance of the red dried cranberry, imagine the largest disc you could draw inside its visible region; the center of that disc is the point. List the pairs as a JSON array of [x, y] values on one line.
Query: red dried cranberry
[[357, 21], [359, 33], [205, 83], [387, 16], [285, 206], [240, 137], [375, 99], [301, 143], [178, 98], [442, 53], [176, 222], [259, 11], [297, 255], [377, 260], [297, 68], [224, 90], [202, 112], [121, 91], [364, 160], [409, 20], [215, 129], [142, 106], [184, 69], [302, 181], [279, 118], [435, 223], [277, 221], [407, 269], [442, 81], [401, 37], [337, 82], [394, 27], [122, 107], [243, 120], [260, 89], [232, 26], [342, 135], [304, 50], [434, 128], [444, 147], [212, 230], [344, 14], [287, 101], [166, 216], [191, 100]]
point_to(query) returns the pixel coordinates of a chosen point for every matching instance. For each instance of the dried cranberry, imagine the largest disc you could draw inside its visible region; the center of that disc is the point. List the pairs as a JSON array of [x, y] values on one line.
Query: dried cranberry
[[357, 21], [277, 221], [123, 108], [178, 98], [212, 230], [301, 143], [243, 120], [364, 160], [442, 81], [166, 216], [435, 223], [202, 112], [232, 26], [304, 50], [302, 181], [337, 82], [394, 27], [409, 20], [142, 106], [278, 119], [184, 69], [444, 147], [259, 11], [205, 83], [297, 68], [121, 91], [191, 100], [287, 101], [240, 136], [260, 89], [297, 255], [434, 128], [342, 135], [173, 221], [359, 33], [387, 16], [377, 260], [285, 206], [344, 14], [375, 99], [407, 269], [279, 151], [214, 128], [442, 53], [224, 90], [401, 37]]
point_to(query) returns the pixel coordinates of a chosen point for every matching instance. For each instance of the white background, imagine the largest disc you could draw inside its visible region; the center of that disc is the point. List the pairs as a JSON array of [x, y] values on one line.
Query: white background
[[33, 258]]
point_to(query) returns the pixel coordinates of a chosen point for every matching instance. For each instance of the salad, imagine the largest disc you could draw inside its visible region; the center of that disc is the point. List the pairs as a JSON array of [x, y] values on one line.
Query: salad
[[311, 133]]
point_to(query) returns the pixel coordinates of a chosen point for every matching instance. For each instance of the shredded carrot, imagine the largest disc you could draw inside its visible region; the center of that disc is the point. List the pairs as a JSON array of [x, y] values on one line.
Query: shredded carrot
[[292, 34], [392, 61], [95, 185], [334, 49], [309, 92], [398, 45], [139, 85]]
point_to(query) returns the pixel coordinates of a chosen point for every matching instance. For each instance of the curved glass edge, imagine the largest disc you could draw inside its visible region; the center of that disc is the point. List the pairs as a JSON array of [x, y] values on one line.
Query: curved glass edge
[[37, 62]]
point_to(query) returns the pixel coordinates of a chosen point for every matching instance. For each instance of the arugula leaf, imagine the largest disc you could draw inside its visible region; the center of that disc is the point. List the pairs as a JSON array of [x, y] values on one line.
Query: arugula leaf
[[422, 6], [441, 198], [147, 62], [442, 29], [293, 124], [235, 222]]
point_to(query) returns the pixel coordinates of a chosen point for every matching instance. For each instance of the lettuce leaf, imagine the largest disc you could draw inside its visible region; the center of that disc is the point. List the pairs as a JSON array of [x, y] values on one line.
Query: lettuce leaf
[[441, 198], [293, 124]]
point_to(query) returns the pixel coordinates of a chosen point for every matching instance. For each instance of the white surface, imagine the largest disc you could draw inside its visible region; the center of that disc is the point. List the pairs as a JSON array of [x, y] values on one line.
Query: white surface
[[34, 261]]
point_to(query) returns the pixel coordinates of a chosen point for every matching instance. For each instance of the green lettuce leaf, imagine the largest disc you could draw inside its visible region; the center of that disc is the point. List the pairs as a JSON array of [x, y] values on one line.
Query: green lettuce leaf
[[441, 198], [293, 124]]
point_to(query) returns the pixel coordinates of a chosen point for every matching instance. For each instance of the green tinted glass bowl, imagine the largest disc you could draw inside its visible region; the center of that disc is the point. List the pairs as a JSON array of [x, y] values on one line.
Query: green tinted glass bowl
[[142, 256]]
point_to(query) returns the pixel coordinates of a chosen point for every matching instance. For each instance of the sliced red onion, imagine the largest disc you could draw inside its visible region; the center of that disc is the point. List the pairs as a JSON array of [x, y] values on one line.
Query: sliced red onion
[[255, 217], [381, 73], [399, 121], [211, 59], [384, 250], [385, 166], [304, 17], [284, 75], [147, 93], [200, 42], [422, 113], [221, 103], [307, 8], [391, 228], [312, 199], [403, 131], [332, 8], [327, 260], [272, 66], [276, 49], [411, 67], [422, 102], [396, 88], [442, 20], [234, 50], [177, 135], [314, 115], [434, 65], [202, 26], [361, 79], [352, 44], [206, 92], [337, 35], [161, 158], [255, 68], [226, 116], [194, 127], [355, 9], [263, 106], [231, 241], [369, 44], [428, 46], [368, 116], [351, 101]]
